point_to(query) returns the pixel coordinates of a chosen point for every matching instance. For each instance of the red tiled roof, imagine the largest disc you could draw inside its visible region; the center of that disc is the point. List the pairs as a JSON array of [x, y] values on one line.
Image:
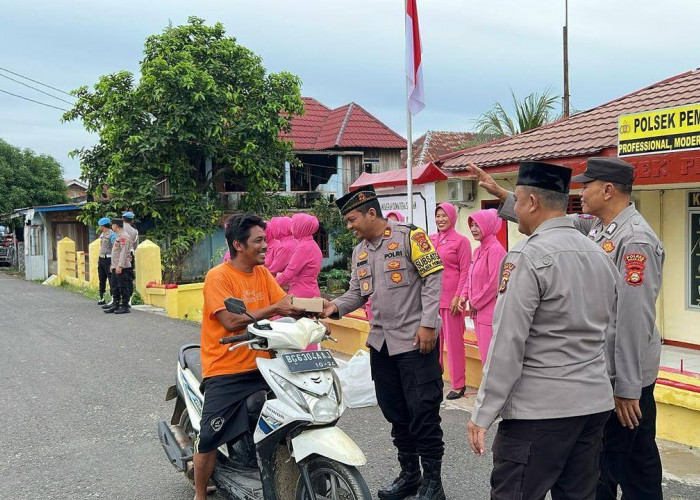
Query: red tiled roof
[[434, 144], [421, 175], [583, 134], [349, 126]]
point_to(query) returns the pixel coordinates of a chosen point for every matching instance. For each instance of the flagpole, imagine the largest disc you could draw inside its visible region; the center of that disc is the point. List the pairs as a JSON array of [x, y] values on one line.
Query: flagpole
[[409, 159], [409, 146]]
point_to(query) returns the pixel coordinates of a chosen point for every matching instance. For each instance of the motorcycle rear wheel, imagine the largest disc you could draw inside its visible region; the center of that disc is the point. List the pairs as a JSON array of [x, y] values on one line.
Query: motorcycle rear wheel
[[332, 480]]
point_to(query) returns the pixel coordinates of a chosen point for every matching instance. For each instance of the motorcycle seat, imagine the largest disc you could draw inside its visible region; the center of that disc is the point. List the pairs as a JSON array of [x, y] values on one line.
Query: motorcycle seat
[[190, 358]]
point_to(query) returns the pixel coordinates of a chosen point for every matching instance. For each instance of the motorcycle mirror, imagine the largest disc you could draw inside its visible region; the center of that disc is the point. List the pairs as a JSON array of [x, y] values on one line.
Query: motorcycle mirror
[[235, 306]]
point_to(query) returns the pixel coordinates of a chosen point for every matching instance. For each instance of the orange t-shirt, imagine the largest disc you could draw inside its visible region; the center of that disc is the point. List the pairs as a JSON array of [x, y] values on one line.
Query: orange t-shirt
[[258, 290]]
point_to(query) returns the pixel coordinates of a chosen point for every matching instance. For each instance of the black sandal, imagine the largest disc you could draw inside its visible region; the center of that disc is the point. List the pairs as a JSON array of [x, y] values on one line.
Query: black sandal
[[456, 394]]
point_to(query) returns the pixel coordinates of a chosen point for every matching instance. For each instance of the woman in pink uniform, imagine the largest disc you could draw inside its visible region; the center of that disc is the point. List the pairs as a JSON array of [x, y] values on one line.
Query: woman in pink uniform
[[396, 217], [455, 251], [481, 288], [282, 232], [301, 274], [272, 242]]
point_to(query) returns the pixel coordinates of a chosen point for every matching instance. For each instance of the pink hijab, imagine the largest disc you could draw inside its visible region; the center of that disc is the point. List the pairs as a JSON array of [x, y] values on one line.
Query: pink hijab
[[451, 212], [304, 226], [398, 215], [489, 223]]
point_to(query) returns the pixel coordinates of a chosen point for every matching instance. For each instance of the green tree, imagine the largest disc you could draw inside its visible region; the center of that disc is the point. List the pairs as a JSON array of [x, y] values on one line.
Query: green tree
[[28, 179], [329, 217], [201, 95], [533, 111]]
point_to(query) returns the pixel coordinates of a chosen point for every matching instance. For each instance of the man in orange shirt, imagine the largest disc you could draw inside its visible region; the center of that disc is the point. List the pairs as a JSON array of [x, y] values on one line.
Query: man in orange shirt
[[231, 377]]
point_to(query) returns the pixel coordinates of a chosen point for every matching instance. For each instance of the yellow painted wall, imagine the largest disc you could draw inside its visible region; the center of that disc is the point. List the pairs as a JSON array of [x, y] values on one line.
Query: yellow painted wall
[[668, 215]]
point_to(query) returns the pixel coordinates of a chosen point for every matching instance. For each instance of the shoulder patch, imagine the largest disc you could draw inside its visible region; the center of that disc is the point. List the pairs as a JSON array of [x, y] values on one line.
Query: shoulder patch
[[508, 268], [423, 254], [422, 240], [635, 265]]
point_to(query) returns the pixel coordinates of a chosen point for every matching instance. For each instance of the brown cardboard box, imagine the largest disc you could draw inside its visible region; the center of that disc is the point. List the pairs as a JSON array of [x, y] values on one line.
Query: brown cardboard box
[[314, 305]]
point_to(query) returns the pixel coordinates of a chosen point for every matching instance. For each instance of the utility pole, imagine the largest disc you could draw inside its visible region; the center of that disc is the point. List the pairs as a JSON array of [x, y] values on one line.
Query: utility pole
[[566, 59]]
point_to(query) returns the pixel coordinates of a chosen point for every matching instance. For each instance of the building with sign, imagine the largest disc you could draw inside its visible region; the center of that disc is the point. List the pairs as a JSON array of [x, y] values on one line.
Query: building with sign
[[657, 129]]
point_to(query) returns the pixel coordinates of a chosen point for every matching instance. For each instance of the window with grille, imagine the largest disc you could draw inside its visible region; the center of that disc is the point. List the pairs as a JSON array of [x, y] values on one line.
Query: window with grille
[[321, 238]]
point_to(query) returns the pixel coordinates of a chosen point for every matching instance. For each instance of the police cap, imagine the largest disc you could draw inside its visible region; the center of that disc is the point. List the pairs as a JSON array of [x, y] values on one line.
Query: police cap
[[607, 169], [356, 199], [544, 176]]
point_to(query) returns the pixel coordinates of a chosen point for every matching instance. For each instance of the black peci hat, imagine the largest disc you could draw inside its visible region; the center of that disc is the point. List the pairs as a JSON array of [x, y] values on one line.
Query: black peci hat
[[608, 169], [356, 199], [544, 176]]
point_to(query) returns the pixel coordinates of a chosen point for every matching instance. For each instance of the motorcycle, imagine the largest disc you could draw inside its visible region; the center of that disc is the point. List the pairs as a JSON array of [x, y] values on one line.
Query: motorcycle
[[296, 451]]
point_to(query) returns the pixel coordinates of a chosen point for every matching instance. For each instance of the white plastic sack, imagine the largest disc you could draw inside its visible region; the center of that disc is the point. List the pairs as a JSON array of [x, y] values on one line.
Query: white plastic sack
[[469, 323], [356, 380]]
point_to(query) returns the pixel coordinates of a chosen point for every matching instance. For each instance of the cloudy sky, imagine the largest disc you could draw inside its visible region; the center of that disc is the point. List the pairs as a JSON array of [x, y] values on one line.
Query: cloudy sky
[[474, 52]]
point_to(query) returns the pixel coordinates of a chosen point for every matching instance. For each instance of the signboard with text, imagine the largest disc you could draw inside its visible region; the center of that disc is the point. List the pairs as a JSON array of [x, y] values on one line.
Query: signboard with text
[[659, 131], [694, 249]]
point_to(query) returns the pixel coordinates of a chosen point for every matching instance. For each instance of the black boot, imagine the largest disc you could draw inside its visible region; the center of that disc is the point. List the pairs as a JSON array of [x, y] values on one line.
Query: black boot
[[408, 481], [113, 308], [431, 488]]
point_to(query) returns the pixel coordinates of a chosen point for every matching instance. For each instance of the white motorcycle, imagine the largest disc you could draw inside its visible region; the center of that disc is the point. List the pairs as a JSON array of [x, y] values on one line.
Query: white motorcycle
[[296, 451]]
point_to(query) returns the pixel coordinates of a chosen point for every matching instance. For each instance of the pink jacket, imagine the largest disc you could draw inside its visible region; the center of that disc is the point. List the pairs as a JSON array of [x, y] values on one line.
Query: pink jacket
[[285, 245], [272, 241], [456, 253], [302, 272], [482, 283]]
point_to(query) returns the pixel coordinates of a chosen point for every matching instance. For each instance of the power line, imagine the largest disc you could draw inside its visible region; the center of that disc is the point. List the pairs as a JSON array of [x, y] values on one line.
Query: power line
[[38, 90], [36, 81], [32, 100]]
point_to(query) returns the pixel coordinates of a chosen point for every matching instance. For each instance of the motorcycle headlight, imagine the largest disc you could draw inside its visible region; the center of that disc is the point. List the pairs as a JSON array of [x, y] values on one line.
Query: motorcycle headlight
[[293, 392], [325, 410]]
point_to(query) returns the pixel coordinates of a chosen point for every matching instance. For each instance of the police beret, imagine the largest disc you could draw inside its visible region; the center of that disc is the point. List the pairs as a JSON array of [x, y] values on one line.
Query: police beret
[[544, 176], [128, 215], [356, 199], [104, 221], [609, 169]]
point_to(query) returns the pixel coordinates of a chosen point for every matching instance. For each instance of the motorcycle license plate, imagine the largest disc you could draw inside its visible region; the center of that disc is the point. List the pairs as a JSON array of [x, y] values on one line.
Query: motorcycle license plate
[[309, 361]]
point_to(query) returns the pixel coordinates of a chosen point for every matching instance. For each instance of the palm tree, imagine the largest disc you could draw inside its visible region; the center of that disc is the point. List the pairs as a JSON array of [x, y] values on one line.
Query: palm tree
[[533, 111]]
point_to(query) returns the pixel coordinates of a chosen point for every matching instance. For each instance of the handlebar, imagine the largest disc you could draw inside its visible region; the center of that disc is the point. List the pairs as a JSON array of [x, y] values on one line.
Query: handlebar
[[236, 338]]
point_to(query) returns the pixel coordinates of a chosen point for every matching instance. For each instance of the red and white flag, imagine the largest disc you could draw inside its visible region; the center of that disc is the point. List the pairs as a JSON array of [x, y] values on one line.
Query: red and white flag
[[414, 69]]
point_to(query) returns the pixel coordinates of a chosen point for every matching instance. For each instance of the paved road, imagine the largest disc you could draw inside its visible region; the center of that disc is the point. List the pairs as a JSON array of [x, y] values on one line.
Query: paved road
[[82, 392]]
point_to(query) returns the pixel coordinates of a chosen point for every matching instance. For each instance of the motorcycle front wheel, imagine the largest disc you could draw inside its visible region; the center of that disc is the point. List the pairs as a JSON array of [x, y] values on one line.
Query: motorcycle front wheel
[[332, 480]]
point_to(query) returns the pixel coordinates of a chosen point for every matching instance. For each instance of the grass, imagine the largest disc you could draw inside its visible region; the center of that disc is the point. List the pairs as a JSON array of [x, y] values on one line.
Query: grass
[[91, 294]]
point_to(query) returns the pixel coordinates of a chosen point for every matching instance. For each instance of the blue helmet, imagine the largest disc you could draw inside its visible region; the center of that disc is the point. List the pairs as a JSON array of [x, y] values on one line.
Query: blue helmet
[[104, 221], [128, 215]]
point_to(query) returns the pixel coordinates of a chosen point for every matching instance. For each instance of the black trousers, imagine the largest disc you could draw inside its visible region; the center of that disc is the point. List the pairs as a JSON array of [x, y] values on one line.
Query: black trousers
[[103, 273], [630, 458], [126, 285], [114, 286], [532, 457], [409, 393]]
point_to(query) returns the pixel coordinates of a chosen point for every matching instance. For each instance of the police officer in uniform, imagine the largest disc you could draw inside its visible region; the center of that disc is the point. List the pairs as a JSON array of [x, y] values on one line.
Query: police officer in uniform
[[546, 374], [121, 268], [134, 234], [105, 259], [397, 265], [630, 456]]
